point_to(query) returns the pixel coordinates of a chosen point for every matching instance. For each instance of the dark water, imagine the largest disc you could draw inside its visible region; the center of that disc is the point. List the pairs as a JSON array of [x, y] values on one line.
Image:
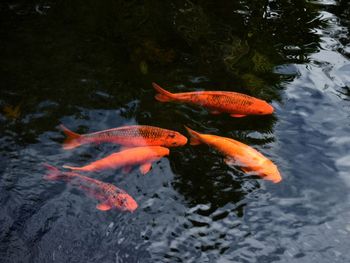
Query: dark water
[[90, 65]]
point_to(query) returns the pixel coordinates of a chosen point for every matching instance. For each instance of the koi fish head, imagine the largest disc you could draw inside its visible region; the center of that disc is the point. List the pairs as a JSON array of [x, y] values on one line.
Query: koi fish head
[[124, 202], [260, 107], [271, 173], [161, 151], [173, 139]]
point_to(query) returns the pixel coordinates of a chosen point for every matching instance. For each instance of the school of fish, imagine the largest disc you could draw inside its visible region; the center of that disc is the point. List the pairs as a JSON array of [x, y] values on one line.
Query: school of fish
[[143, 145]]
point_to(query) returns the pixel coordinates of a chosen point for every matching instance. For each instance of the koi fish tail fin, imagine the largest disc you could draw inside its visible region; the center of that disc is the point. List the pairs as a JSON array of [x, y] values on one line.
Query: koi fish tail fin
[[53, 172], [163, 94], [72, 139], [194, 136], [72, 168]]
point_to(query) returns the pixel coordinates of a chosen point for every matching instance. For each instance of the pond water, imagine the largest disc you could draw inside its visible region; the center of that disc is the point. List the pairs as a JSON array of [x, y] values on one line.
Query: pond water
[[90, 65]]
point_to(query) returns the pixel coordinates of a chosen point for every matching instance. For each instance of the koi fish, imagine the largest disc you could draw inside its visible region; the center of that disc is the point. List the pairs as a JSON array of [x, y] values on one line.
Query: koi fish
[[132, 136], [109, 195], [239, 154], [143, 156], [233, 103]]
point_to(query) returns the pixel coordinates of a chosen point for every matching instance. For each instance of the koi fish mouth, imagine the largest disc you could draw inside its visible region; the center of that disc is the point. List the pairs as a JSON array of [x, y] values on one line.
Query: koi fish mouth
[[275, 177], [127, 203], [268, 109], [181, 142], [130, 207]]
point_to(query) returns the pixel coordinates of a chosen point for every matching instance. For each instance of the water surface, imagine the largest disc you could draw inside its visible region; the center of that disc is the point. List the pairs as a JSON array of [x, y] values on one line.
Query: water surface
[[89, 65]]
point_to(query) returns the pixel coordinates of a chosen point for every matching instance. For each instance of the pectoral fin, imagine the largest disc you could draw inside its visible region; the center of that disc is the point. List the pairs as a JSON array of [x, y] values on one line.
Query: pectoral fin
[[245, 169], [215, 112], [103, 207], [145, 168], [237, 115], [126, 169], [250, 171]]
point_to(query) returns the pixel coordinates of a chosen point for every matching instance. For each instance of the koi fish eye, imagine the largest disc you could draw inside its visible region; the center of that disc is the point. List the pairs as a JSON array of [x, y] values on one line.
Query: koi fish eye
[[171, 135], [123, 201]]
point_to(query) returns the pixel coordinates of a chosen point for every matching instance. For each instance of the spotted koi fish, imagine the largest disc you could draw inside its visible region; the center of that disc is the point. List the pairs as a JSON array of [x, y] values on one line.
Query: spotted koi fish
[[233, 103], [130, 136], [109, 195], [239, 154]]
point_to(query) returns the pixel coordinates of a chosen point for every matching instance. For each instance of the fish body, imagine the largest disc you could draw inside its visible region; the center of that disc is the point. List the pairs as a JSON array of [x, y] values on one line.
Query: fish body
[[239, 154], [132, 136], [234, 103], [143, 156], [108, 195]]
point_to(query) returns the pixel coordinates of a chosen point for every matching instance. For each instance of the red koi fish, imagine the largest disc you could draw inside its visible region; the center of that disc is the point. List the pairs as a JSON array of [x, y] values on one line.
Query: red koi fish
[[109, 195], [239, 154], [143, 156], [233, 103], [131, 136]]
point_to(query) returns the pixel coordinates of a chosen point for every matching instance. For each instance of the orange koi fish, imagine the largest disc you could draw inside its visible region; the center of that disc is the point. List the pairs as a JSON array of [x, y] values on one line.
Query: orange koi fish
[[239, 154], [109, 195], [132, 136], [233, 103], [143, 156]]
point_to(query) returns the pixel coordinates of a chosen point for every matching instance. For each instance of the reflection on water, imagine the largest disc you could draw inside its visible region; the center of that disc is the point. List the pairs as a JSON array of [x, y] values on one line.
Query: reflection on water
[[90, 65]]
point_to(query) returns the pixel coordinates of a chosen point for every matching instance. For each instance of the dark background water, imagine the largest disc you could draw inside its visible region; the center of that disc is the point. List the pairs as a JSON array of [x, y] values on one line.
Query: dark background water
[[89, 64]]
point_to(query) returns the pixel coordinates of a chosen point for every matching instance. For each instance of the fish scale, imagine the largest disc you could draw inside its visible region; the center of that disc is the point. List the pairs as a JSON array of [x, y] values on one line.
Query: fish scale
[[133, 132], [231, 100]]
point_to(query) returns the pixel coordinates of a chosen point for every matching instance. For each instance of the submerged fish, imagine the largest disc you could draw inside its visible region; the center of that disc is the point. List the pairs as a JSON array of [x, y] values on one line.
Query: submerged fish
[[12, 112], [109, 195], [143, 156], [132, 136], [239, 154], [233, 103]]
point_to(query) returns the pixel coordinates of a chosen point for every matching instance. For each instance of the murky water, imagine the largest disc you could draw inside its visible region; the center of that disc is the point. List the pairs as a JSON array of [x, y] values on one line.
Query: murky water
[[90, 66]]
